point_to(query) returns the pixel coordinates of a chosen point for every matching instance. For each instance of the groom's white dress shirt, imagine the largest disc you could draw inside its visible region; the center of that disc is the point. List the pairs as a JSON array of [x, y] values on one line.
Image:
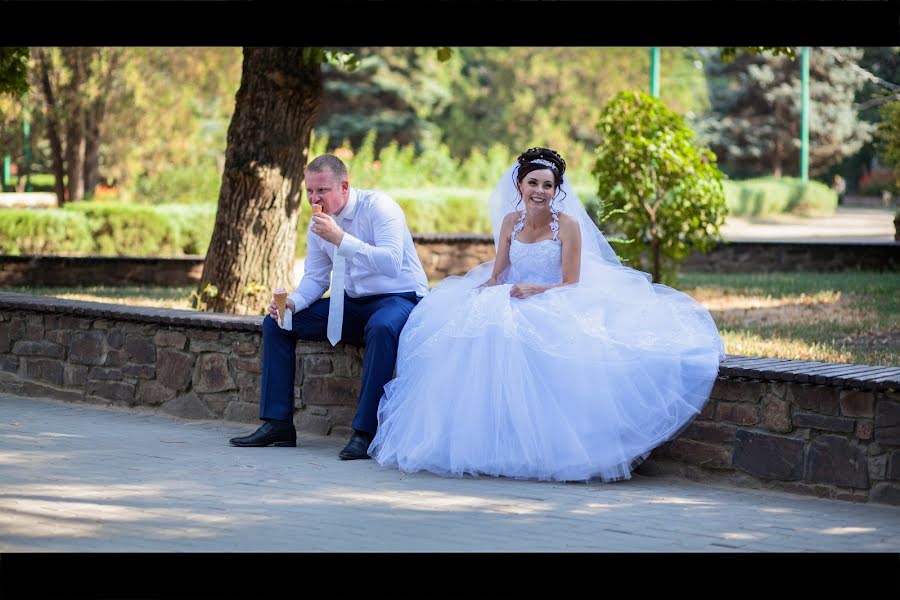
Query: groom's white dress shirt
[[378, 248]]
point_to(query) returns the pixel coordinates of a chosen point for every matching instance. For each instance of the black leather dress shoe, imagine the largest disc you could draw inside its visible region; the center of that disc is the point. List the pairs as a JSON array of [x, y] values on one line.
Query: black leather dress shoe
[[358, 447], [278, 434]]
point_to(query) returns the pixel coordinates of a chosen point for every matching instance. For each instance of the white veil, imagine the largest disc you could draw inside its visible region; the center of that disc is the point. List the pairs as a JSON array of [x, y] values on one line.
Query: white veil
[[595, 250]]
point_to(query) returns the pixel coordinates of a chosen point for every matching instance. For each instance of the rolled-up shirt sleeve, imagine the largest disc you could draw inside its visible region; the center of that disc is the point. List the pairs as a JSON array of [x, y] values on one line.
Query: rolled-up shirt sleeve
[[316, 276], [385, 257]]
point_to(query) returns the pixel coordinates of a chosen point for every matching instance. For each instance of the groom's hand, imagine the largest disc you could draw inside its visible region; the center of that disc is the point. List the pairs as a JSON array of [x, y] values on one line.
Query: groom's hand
[[273, 309], [325, 227], [526, 290]]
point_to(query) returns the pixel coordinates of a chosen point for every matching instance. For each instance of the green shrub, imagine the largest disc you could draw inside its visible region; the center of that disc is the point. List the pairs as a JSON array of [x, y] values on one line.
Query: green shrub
[[43, 231], [195, 224], [773, 195], [129, 230], [180, 184]]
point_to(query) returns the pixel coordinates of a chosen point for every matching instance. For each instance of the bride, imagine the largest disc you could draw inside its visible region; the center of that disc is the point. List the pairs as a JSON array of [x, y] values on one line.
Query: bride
[[552, 361]]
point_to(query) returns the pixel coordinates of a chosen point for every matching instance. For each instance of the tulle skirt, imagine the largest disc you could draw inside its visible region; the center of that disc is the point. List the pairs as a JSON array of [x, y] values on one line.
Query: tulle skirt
[[580, 382]]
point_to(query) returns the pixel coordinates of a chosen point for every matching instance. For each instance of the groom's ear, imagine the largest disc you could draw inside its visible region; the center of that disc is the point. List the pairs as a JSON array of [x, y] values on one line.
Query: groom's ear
[[345, 188]]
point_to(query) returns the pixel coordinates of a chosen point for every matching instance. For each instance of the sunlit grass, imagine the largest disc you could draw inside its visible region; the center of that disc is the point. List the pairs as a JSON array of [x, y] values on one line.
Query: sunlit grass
[[851, 316]]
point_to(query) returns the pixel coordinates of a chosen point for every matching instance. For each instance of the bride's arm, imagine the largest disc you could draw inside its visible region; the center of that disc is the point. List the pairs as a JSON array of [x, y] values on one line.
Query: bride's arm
[[570, 236], [502, 261]]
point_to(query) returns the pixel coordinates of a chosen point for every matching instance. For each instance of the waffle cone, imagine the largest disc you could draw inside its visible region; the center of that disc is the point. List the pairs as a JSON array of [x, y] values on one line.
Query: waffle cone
[[316, 209], [281, 305]]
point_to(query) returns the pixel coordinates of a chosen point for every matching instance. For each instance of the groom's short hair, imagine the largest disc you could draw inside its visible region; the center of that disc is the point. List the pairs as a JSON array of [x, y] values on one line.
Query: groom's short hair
[[330, 162]]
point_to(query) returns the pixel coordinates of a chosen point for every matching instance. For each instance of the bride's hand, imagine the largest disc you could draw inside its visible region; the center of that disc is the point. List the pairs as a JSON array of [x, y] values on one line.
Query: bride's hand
[[526, 290], [490, 282]]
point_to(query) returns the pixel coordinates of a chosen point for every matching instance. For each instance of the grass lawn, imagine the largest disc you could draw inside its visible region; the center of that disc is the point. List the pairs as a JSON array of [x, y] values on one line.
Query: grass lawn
[[849, 317]]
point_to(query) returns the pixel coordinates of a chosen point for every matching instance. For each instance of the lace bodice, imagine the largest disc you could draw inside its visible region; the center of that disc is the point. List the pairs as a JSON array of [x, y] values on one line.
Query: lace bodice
[[537, 262], [540, 262]]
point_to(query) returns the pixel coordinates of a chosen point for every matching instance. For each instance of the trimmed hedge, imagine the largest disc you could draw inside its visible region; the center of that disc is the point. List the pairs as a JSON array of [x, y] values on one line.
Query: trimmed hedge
[[108, 229], [773, 195], [43, 231]]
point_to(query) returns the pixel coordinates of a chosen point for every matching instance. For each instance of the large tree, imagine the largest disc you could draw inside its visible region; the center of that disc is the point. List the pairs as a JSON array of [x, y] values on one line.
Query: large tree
[[754, 124], [252, 246]]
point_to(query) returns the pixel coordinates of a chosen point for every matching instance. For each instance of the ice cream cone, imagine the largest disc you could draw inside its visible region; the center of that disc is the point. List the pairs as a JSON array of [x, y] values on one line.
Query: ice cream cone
[[316, 209], [280, 303]]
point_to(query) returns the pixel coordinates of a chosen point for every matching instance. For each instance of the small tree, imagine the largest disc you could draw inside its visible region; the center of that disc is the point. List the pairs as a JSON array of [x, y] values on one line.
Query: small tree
[[669, 192], [889, 138]]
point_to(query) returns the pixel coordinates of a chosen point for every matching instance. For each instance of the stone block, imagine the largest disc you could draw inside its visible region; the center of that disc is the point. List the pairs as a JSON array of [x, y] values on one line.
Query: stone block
[[738, 413], [245, 348], [153, 393], [865, 428], [309, 423], [34, 327], [710, 432], [824, 423], [242, 412], [708, 411], [140, 350], [701, 454], [87, 348], [835, 460], [211, 374], [117, 391], [116, 358], [39, 348], [115, 338], [317, 365], [9, 364], [251, 365], [734, 390], [818, 398], [44, 369], [893, 471], [769, 456], [877, 466], [188, 406], [74, 375], [887, 423], [776, 414], [218, 402], [174, 368], [31, 388], [198, 346], [331, 390], [5, 343], [169, 338], [59, 336], [857, 403]]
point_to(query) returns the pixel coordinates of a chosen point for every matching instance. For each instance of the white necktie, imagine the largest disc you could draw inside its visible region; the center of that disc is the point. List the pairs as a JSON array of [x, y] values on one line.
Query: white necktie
[[336, 305]]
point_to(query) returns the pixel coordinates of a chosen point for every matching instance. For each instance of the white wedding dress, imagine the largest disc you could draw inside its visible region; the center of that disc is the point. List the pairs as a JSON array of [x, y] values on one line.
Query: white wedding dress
[[575, 383]]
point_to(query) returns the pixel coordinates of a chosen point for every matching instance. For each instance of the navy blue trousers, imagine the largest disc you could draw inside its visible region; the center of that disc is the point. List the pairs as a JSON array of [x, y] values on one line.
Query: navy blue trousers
[[376, 319]]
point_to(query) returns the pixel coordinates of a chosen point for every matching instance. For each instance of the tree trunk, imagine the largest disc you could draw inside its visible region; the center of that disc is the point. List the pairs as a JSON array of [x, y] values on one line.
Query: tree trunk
[[777, 158], [252, 246], [92, 151], [53, 131], [96, 110], [76, 141]]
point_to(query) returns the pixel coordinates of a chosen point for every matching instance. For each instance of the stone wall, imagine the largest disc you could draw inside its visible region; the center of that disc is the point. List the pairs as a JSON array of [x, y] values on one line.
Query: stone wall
[[816, 428], [448, 254]]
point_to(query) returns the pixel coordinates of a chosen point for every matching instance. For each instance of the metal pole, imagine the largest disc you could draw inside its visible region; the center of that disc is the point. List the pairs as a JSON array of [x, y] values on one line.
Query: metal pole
[[804, 114], [26, 130], [654, 72]]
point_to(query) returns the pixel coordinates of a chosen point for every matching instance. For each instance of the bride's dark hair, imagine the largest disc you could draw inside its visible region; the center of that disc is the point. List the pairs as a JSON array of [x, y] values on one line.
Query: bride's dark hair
[[535, 159]]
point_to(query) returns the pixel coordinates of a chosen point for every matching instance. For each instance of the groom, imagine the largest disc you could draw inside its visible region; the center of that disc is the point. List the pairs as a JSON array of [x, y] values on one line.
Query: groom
[[360, 239]]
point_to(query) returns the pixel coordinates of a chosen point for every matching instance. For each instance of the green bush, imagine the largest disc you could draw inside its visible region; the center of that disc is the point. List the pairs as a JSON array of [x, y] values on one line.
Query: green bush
[[43, 231], [773, 195], [180, 184], [195, 224], [129, 230]]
